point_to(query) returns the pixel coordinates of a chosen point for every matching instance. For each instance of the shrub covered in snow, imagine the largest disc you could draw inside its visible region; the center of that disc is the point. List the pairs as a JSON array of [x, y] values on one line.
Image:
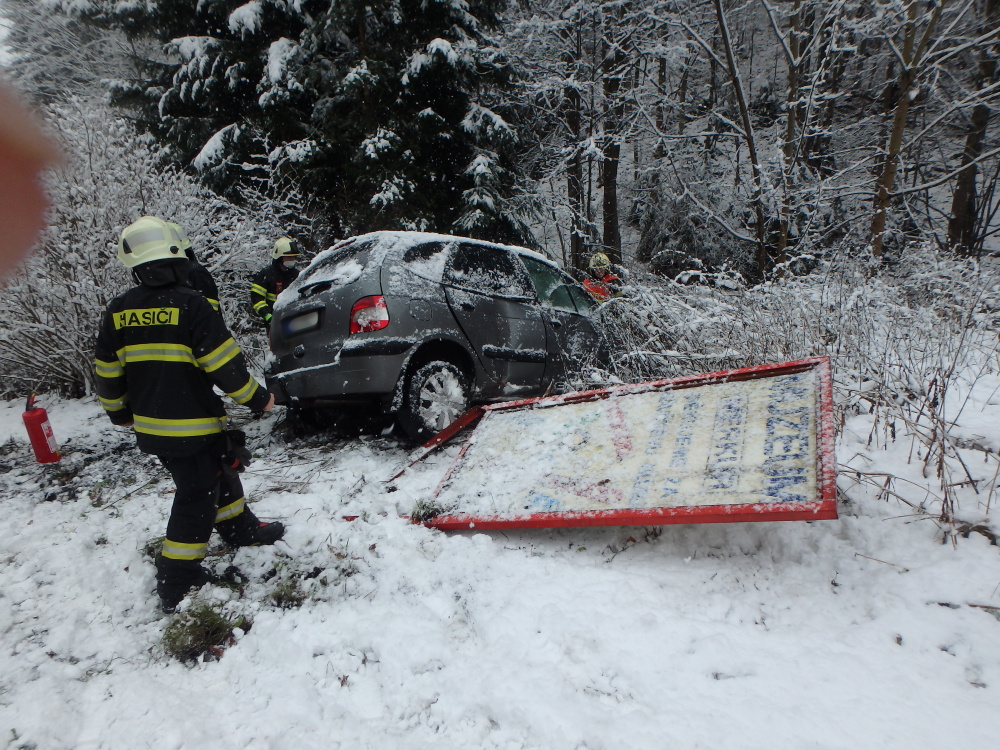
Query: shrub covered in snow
[[897, 341], [49, 312]]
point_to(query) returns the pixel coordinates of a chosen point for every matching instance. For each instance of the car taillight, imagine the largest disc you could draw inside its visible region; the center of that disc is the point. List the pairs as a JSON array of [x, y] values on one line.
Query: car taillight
[[369, 314]]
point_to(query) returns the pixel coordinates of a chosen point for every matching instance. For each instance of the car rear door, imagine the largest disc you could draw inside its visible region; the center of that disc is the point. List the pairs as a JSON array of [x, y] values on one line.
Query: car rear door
[[494, 303], [574, 339]]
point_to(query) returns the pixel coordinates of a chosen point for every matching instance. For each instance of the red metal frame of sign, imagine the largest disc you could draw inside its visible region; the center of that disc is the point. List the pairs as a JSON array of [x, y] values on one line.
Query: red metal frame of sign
[[824, 508]]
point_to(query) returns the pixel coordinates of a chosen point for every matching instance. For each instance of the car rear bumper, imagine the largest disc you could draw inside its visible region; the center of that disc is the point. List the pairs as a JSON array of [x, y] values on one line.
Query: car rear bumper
[[347, 379]]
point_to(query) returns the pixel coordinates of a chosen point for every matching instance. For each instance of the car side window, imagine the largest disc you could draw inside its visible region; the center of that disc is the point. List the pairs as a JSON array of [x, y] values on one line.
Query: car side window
[[554, 288], [487, 270], [426, 259], [422, 252]]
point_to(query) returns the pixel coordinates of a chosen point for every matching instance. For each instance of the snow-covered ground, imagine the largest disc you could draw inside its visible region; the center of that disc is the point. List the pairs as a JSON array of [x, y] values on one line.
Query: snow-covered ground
[[865, 632]]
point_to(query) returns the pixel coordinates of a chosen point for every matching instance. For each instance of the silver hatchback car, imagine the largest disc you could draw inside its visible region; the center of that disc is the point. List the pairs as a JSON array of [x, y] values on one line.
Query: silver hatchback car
[[423, 325]]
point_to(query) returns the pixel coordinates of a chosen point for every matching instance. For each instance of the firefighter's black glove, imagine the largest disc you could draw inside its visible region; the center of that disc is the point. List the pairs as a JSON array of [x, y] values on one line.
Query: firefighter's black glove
[[237, 456]]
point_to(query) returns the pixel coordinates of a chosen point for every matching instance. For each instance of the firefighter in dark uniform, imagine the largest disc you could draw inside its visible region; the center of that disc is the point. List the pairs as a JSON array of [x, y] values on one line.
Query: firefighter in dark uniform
[[160, 350], [199, 278], [269, 282]]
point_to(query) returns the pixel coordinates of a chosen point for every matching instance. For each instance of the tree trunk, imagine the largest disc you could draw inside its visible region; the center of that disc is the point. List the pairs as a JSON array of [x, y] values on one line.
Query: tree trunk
[[609, 203], [791, 127], [962, 235], [612, 65], [912, 54], [761, 257], [887, 177], [574, 181]]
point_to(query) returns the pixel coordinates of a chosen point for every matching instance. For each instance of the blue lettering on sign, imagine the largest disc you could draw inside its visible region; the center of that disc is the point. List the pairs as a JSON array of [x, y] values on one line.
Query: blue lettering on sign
[[787, 440], [644, 478], [801, 425], [722, 479], [659, 430], [669, 488], [786, 446], [682, 443], [642, 482], [788, 388], [724, 469], [542, 502], [779, 482]]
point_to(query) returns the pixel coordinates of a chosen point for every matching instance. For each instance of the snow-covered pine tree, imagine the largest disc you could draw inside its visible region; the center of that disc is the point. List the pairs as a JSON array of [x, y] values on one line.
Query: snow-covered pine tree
[[222, 88], [409, 138], [384, 110]]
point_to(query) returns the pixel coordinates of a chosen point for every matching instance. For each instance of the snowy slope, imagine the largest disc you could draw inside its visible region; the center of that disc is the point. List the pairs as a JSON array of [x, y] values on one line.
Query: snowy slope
[[857, 633]]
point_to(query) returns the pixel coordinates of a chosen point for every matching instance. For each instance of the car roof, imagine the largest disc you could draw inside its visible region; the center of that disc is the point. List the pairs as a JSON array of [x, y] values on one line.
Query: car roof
[[400, 240]]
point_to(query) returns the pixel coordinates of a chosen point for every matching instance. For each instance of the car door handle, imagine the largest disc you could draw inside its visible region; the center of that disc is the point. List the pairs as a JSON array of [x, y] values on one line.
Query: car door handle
[[467, 305], [556, 323]]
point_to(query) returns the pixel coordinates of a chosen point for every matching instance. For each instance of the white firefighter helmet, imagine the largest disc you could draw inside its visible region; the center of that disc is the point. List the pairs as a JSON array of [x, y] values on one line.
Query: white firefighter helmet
[[182, 236], [599, 262], [148, 239], [286, 247]]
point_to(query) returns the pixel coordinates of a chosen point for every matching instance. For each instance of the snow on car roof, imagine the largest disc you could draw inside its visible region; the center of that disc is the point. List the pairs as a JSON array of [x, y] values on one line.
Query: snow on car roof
[[402, 239], [378, 245]]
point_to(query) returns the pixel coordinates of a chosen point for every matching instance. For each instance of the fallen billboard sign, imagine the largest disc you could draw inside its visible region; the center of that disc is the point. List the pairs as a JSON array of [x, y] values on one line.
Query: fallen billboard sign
[[754, 444]]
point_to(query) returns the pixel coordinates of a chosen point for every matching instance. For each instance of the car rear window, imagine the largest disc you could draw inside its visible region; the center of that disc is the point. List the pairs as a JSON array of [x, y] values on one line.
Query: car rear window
[[338, 268]]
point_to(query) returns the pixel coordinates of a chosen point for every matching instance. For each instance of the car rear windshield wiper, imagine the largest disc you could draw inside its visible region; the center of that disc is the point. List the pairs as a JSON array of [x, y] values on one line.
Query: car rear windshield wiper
[[310, 290]]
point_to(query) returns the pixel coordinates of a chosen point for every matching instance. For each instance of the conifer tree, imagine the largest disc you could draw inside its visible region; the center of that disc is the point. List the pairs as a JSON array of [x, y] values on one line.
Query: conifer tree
[[380, 109]]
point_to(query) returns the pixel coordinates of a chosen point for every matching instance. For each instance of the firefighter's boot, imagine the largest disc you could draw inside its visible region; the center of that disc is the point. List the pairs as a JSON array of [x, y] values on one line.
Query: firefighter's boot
[[176, 578]]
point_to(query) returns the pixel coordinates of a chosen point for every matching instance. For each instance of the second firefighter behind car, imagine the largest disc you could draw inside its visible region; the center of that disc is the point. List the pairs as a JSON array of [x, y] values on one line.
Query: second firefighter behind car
[[272, 280]]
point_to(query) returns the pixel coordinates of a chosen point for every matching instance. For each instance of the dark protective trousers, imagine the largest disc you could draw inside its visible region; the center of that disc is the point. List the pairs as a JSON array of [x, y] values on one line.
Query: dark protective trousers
[[206, 497]]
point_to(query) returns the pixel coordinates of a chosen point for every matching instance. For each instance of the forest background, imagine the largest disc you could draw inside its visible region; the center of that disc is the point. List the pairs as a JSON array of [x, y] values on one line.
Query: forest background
[[772, 179]]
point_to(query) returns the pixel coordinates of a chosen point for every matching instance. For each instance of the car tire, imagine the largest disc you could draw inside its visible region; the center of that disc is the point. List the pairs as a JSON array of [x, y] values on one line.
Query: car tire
[[437, 394]]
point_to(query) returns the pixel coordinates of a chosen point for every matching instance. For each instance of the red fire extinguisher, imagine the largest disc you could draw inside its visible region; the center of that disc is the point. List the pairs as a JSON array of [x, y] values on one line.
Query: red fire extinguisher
[[40, 431]]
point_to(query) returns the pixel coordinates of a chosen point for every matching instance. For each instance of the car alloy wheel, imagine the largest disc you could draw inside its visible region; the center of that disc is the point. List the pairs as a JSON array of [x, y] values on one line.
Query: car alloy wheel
[[437, 395]]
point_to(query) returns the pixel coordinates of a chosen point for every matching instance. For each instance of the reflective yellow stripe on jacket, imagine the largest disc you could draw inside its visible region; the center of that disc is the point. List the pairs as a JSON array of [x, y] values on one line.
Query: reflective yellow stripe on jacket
[[179, 427], [113, 404], [156, 353], [262, 291], [108, 369], [219, 356], [245, 393], [212, 361]]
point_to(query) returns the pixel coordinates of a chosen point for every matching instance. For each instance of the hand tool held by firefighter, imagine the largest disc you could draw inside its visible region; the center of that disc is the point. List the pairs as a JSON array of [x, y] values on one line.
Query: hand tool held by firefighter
[[43, 441]]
